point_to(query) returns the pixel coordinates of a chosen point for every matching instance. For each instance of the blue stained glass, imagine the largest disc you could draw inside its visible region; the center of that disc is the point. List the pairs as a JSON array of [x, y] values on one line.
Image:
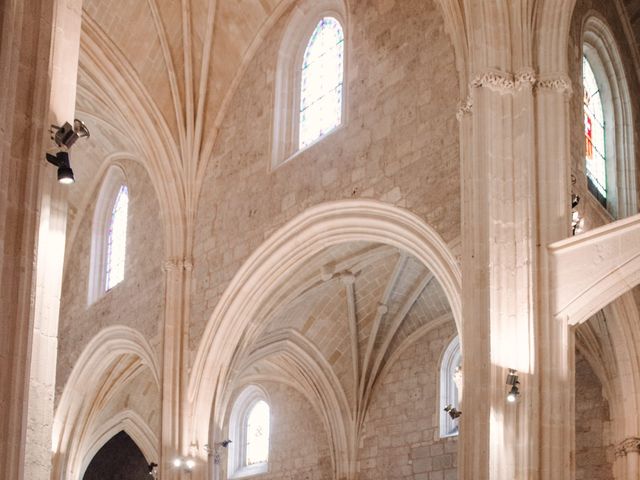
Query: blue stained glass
[[321, 82], [117, 239], [594, 130]]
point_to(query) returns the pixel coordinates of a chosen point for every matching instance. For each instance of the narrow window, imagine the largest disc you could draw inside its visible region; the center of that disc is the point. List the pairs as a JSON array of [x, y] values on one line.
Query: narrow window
[[249, 427], [117, 240], [258, 434], [450, 377], [321, 82], [594, 130]]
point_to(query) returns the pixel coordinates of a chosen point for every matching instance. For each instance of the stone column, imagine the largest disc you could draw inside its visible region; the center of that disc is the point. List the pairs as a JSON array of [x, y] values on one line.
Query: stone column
[[499, 280], [38, 72]]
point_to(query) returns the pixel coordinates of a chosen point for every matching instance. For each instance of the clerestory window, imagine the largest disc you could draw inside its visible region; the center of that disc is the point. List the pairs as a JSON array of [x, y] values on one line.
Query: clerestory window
[[310, 94], [109, 235], [594, 131], [321, 82]]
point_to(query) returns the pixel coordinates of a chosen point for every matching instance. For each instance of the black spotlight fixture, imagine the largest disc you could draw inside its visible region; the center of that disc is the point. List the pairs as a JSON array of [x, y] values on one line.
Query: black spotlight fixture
[[64, 137], [512, 379], [61, 160], [452, 411]]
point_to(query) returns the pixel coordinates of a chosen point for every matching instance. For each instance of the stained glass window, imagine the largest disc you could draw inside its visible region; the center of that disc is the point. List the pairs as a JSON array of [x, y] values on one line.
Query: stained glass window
[[594, 134], [117, 239], [321, 82], [258, 434]]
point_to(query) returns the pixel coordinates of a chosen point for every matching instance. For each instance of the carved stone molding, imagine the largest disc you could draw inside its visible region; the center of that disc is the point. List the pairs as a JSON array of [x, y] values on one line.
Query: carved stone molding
[[560, 84], [510, 83], [495, 80], [464, 107], [628, 445]]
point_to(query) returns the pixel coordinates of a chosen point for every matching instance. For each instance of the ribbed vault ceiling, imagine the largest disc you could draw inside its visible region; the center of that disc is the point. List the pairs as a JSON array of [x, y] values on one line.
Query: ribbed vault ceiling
[[353, 308]]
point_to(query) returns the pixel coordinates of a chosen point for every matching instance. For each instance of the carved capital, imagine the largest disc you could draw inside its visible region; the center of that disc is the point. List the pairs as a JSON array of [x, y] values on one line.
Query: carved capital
[[525, 78], [495, 80], [560, 84], [628, 445]]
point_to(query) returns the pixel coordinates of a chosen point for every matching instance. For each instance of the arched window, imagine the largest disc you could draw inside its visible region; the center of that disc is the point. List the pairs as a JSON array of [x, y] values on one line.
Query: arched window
[[595, 150], [450, 375], [608, 122], [249, 430], [109, 234], [257, 442], [117, 239], [310, 97], [321, 82]]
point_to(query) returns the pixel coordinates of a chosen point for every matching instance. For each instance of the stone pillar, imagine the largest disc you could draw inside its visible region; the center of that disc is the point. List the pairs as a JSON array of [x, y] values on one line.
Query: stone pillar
[[38, 65], [499, 282]]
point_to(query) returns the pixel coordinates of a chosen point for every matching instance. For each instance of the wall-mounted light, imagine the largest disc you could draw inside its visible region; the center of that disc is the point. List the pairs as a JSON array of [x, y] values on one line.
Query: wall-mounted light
[[153, 470], [512, 380], [64, 137], [61, 160], [452, 411]]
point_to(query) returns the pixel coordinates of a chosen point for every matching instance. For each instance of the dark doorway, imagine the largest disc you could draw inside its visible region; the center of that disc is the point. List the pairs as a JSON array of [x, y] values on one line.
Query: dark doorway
[[119, 459]]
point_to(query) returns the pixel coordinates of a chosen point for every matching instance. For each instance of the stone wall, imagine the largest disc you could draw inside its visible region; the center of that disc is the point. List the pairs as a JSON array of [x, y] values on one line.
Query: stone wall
[[594, 452], [299, 447], [137, 301], [400, 437], [398, 144]]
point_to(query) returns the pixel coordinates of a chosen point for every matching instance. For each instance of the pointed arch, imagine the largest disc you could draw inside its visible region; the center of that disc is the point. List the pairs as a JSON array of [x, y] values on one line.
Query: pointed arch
[[86, 389], [315, 229], [134, 426]]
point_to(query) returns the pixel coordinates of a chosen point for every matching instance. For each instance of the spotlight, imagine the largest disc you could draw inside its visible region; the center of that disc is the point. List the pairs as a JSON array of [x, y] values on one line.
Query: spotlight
[[452, 411], [512, 379], [61, 160], [177, 462], [64, 137], [512, 396], [190, 463]]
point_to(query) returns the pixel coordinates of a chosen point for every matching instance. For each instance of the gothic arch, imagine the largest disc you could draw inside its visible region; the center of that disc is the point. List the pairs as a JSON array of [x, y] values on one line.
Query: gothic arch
[[134, 426], [85, 390], [317, 228]]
